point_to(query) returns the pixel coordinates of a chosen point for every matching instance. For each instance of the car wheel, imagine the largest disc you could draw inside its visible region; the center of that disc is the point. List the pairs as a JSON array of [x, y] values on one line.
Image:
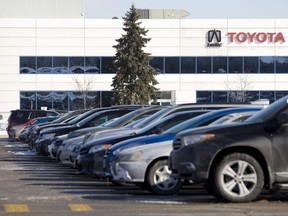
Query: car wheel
[[238, 178], [160, 181]]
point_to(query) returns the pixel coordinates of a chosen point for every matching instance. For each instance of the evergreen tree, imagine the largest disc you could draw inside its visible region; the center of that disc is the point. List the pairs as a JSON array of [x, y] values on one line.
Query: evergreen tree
[[134, 82]]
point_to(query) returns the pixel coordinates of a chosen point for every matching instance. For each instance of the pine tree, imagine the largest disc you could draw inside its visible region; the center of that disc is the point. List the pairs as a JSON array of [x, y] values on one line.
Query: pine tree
[[134, 82]]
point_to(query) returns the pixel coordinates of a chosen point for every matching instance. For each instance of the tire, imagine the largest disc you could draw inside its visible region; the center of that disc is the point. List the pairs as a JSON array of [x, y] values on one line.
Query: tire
[[238, 178], [160, 181]]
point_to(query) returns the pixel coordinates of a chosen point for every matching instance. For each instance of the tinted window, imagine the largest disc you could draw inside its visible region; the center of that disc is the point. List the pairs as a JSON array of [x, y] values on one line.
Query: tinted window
[[44, 65], [281, 64], [92, 64], [158, 64], [204, 65], [251, 65], [188, 65], [235, 64], [266, 65], [171, 64], [60, 65], [28, 65], [76, 65], [107, 65], [219, 65]]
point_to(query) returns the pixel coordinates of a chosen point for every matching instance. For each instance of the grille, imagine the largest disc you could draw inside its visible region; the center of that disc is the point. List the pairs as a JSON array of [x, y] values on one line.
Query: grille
[[177, 144]]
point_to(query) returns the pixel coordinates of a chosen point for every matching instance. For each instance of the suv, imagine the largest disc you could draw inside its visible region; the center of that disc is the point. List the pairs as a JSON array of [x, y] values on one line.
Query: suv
[[21, 116], [236, 161]]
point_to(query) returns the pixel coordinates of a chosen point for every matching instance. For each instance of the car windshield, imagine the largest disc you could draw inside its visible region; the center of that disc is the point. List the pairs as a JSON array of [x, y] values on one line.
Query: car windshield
[[203, 119], [151, 118], [270, 111]]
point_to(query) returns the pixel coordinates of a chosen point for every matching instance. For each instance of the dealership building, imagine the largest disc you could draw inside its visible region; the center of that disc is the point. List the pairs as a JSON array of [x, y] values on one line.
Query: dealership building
[[46, 60]]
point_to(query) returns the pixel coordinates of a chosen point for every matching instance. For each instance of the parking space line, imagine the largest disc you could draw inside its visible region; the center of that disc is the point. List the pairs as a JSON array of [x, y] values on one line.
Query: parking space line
[[16, 208], [80, 207]]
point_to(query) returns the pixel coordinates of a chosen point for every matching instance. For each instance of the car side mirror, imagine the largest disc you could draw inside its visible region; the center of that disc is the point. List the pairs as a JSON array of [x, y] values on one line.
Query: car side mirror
[[158, 130]]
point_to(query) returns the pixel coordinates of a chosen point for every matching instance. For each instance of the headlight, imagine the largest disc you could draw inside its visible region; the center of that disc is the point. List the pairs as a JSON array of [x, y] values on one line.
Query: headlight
[[188, 140], [99, 148]]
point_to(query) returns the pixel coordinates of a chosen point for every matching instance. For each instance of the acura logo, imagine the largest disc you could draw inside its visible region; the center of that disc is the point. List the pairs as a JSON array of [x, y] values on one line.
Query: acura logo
[[214, 38]]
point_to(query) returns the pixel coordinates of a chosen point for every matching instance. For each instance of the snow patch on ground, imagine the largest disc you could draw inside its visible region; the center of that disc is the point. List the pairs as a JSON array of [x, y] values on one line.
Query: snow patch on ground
[[28, 152]]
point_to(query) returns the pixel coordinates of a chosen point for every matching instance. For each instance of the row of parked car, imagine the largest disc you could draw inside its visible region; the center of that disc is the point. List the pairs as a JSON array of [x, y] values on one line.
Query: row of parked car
[[234, 150]]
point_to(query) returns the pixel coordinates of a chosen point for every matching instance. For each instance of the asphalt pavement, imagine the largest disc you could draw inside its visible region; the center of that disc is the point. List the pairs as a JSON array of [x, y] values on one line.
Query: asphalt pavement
[[37, 185]]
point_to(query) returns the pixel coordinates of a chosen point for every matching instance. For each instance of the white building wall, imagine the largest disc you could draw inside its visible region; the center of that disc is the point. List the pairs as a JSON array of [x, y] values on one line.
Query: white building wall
[[87, 37]]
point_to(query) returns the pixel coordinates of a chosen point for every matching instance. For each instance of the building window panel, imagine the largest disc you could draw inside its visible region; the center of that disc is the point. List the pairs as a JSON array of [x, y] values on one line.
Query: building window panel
[[171, 64], [219, 97], [60, 100], [107, 65], [235, 65], [281, 64], [204, 65], [92, 65], [188, 64], [251, 65], [60, 65], [28, 100], [44, 99], [219, 64], [76, 65], [27, 65], [280, 94], [204, 96], [44, 65], [158, 64], [266, 64]]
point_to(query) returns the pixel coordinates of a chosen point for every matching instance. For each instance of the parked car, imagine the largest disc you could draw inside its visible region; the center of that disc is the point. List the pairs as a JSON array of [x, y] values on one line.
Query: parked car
[[20, 131], [144, 160], [94, 119], [112, 124], [21, 116], [236, 162], [91, 154]]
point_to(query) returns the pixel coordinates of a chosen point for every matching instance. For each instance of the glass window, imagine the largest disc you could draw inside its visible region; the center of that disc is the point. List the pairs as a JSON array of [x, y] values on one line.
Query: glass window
[[60, 65], [219, 97], [251, 96], [188, 64], [60, 100], [76, 65], [266, 64], [267, 95], [27, 100], [164, 95], [92, 64], [281, 64], [106, 98], [219, 64], [235, 64], [280, 94], [75, 100], [204, 65], [92, 99], [171, 64], [251, 65], [204, 96], [107, 65], [44, 99], [44, 65], [28, 65], [158, 64]]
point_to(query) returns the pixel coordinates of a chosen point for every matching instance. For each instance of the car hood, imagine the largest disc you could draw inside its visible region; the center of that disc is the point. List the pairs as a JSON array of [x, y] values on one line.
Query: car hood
[[144, 140]]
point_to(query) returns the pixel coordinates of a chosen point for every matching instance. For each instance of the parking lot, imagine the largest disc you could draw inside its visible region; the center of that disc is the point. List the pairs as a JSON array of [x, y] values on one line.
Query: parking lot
[[39, 186]]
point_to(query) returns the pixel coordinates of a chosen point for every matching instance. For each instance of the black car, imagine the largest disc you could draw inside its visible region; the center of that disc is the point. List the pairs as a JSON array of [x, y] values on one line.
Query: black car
[[237, 161], [94, 119]]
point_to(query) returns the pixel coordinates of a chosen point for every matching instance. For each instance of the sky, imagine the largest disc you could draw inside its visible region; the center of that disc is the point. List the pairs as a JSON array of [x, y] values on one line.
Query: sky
[[202, 9]]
